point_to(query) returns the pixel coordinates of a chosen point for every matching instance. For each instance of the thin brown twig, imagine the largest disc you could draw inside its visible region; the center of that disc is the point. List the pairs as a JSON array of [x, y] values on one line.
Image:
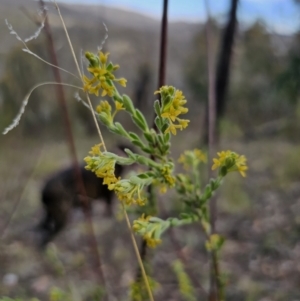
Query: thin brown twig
[[161, 82], [163, 46], [218, 86], [72, 150], [102, 141], [213, 289], [224, 62]]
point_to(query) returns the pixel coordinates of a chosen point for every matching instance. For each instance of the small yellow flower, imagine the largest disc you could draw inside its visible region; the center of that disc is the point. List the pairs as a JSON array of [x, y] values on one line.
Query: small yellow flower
[[140, 225], [171, 109], [88, 83], [202, 157], [167, 174], [95, 90], [129, 192], [102, 165], [103, 57], [150, 231], [116, 67], [183, 123], [241, 165], [119, 106], [95, 151], [106, 168], [97, 72], [110, 179], [164, 179], [192, 158], [222, 157], [151, 242], [104, 106], [164, 90], [214, 242], [172, 129], [122, 81], [178, 102], [231, 161], [107, 89], [102, 75], [152, 236], [104, 111], [170, 113]]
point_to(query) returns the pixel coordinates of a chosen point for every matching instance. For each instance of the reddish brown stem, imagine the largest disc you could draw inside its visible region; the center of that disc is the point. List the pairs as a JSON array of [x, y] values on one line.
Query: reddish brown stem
[[213, 290], [163, 46], [72, 149], [161, 82]]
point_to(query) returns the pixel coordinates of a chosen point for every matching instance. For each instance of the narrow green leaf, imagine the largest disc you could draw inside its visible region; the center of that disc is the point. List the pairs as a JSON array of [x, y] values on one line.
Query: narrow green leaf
[[140, 124], [128, 105], [134, 136], [157, 107], [149, 137], [147, 150], [167, 137], [137, 143], [158, 123], [121, 130], [164, 127], [141, 117]]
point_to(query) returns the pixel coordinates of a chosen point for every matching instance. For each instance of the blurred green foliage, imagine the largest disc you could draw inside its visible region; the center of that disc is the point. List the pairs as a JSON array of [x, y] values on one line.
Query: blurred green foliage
[[263, 86], [264, 79]]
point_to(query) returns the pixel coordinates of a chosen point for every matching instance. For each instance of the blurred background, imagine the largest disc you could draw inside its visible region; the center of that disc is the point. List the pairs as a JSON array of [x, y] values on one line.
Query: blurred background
[[259, 215]]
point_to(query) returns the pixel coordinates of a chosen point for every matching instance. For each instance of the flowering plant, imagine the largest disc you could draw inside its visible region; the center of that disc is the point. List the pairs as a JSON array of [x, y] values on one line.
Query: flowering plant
[[154, 143], [160, 166]]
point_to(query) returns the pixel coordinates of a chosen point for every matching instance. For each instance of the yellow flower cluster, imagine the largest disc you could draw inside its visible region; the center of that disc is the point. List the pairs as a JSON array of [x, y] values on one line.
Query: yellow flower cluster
[[169, 179], [201, 156], [190, 158], [119, 106], [167, 174], [172, 109], [101, 165], [150, 231], [214, 242], [104, 108], [152, 242], [102, 75], [231, 161], [129, 192]]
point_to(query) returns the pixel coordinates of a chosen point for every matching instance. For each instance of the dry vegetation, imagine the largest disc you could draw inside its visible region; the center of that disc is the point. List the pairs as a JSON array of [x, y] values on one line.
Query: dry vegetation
[[259, 217]]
